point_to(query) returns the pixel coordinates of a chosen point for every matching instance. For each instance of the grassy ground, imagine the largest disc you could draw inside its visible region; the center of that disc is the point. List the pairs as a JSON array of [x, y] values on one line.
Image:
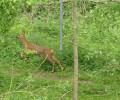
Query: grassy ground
[[45, 85], [98, 41]]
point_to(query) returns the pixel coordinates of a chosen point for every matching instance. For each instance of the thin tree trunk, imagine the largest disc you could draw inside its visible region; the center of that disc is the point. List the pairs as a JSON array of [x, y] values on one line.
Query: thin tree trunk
[[75, 90], [83, 7]]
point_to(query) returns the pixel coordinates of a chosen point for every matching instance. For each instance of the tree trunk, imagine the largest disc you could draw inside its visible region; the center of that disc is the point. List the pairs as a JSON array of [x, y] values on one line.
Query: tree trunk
[[75, 90]]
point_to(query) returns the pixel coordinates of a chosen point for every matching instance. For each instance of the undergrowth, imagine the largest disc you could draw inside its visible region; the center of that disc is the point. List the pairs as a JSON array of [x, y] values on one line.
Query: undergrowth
[[98, 50]]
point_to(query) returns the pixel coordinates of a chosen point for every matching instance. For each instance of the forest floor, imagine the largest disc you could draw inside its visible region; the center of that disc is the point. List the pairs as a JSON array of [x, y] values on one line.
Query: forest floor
[[48, 75], [91, 86]]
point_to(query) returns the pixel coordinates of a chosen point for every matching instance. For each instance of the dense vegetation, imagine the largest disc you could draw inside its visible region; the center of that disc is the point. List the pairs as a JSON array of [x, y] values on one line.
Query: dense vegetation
[[98, 48]]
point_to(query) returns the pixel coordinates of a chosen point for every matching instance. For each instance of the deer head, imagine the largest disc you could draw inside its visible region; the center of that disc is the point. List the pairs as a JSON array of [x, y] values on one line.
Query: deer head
[[22, 35]]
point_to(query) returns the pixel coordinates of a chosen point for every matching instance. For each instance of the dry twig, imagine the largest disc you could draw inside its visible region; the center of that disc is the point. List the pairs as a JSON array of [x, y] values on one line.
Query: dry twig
[[65, 94], [33, 73]]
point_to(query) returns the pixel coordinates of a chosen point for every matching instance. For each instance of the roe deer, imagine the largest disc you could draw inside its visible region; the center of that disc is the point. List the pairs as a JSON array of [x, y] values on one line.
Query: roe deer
[[40, 50]]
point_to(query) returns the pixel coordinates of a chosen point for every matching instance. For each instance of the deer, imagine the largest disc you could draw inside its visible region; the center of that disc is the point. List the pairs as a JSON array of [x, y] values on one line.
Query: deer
[[46, 52]]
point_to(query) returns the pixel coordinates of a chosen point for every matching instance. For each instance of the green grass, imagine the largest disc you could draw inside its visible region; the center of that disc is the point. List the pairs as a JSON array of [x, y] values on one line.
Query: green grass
[[93, 85], [98, 53]]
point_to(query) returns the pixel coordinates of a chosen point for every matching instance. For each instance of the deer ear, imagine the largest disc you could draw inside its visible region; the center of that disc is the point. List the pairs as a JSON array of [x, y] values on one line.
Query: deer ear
[[23, 32]]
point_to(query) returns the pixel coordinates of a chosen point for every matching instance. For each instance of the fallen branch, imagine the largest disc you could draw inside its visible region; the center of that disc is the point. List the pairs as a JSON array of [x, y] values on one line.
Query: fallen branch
[[33, 73], [65, 94]]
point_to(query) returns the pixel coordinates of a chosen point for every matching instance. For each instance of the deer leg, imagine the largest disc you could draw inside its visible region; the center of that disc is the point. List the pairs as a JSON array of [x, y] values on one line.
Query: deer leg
[[53, 57], [53, 62], [23, 56], [53, 66]]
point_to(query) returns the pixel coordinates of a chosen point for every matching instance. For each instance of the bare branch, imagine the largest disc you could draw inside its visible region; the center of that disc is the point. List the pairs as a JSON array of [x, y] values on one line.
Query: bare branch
[[33, 73], [65, 94]]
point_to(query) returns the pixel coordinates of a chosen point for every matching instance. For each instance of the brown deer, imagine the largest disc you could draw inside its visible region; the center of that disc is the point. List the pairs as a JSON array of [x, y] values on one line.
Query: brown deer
[[40, 50]]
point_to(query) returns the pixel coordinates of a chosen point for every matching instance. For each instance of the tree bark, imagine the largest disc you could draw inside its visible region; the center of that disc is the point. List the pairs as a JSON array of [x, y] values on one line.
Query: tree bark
[[75, 90]]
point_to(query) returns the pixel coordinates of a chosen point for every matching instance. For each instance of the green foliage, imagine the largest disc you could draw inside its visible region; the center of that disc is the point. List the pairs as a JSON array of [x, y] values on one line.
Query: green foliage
[[33, 88], [98, 46], [99, 30], [4, 80], [30, 51]]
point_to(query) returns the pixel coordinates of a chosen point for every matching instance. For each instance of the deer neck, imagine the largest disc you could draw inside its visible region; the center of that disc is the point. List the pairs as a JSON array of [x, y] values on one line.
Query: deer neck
[[25, 43]]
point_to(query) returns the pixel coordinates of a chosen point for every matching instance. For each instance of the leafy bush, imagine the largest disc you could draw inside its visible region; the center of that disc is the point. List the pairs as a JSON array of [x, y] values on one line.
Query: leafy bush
[[98, 33]]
